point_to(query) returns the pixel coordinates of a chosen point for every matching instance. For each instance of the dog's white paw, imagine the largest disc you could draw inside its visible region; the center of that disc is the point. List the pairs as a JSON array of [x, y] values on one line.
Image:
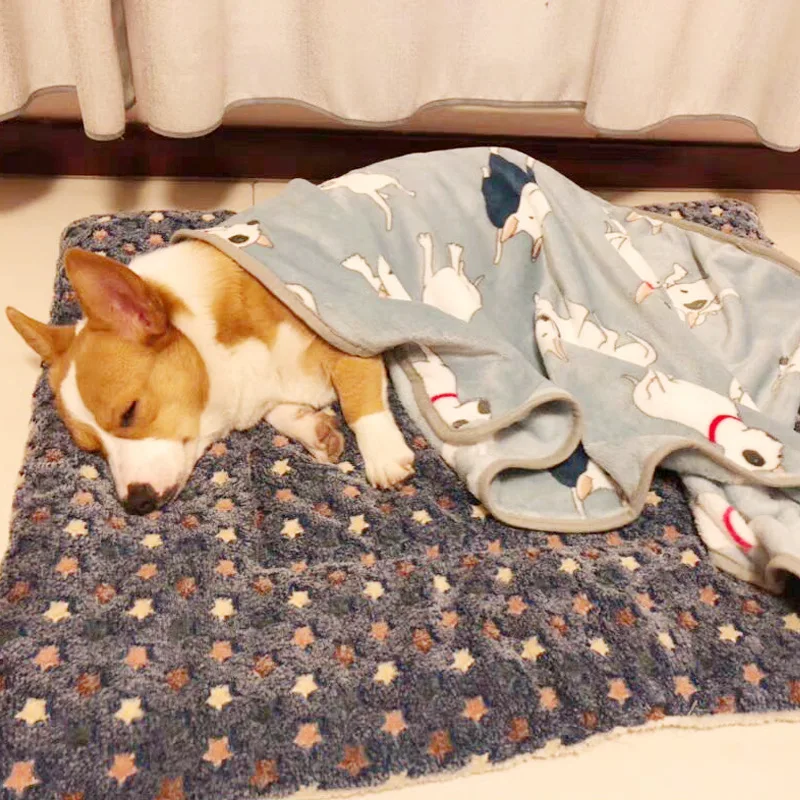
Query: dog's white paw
[[388, 460]]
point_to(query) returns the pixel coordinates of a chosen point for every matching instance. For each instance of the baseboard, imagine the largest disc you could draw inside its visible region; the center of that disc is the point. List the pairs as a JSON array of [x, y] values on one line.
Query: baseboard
[[39, 147]]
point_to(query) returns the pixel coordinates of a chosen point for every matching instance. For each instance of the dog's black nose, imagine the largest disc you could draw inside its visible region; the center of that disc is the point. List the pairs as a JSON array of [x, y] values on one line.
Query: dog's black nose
[[141, 499]]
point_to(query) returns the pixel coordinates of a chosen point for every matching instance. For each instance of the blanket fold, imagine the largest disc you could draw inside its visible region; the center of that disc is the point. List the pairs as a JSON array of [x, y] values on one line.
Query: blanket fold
[[555, 348]]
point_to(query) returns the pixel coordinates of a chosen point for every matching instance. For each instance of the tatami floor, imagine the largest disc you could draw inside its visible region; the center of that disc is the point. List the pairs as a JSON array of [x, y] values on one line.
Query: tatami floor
[[733, 762]]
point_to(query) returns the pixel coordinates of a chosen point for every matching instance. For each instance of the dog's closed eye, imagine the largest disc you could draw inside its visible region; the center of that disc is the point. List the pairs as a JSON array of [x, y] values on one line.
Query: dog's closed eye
[[126, 420]]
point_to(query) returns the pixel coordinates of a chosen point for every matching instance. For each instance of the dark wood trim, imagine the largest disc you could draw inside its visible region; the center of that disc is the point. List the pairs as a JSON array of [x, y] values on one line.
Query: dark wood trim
[[61, 148]]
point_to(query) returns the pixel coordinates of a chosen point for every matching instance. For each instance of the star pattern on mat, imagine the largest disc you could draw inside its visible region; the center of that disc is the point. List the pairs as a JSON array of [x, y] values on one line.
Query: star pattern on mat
[[123, 768], [21, 777], [218, 751], [34, 710], [238, 623]]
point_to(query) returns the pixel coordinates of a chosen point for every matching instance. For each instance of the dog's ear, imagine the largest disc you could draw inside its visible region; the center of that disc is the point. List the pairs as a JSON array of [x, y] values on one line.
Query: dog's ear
[[48, 341], [115, 298]]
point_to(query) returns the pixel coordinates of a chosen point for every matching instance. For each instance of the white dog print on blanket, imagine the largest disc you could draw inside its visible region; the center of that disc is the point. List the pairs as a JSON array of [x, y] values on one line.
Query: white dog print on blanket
[[450, 289], [441, 387], [514, 202], [552, 330], [385, 283], [714, 416], [696, 300], [618, 238], [243, 234], [371, 185], [655, 224]]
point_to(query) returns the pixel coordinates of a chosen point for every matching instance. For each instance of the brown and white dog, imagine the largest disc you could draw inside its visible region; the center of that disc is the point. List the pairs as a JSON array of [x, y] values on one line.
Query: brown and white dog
[[183, 347]]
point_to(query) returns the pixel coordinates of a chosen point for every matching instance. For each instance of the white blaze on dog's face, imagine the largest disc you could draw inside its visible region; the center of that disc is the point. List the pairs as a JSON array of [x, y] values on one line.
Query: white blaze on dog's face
[[127, 382]]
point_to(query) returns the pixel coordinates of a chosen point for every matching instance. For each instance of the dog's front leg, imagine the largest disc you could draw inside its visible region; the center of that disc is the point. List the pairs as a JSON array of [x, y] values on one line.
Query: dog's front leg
[[317, 431], [360, 384]]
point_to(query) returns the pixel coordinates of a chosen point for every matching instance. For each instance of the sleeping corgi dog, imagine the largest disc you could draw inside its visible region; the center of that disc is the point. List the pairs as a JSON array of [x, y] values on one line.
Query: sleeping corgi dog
[[183, 347]]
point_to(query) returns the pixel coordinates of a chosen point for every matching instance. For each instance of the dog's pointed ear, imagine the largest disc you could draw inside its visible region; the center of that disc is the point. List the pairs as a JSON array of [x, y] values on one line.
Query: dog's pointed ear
[[48, 341], [114, 297]]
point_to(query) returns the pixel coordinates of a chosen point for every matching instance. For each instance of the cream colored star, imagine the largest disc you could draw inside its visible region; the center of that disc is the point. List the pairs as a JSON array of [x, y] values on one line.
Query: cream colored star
[[689, 558], [299, 599], [219, 696], [129, 710], [227, 535], [220, 478], [292, 528], [305, 685], [477, 512], [152, 540], [666, 641], [358, 525], [141, 608], [222, 608], [373, 590], [34, 710], [630, 563], [421, 516], [281, 467], [386, 673], [570, 566], [76, 528], [89, 472], [600, 647], [441, 584], [462, 660], [791, 622], [531, 649], [653, 499], [716, 211], [504, 575], [59, 610], [727, 633], [345, 466]]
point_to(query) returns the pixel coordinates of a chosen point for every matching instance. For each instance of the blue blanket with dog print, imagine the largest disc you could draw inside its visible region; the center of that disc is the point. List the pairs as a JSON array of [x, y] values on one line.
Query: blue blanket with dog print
[[554, 347]]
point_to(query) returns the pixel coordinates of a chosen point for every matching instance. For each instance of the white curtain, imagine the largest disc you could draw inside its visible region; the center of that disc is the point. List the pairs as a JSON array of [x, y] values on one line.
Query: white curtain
[[630, 64]]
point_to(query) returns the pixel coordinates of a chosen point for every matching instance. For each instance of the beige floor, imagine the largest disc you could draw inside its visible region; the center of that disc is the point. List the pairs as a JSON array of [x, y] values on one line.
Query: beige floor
[[731, 762]]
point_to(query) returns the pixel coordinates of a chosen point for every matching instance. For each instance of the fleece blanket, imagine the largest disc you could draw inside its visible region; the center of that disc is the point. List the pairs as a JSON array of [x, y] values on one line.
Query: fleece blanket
[[555, 348]]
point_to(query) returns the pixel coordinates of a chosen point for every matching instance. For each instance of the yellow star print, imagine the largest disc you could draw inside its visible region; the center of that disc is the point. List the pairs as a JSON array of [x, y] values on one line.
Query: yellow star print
[[653, 499], [791, 622], [421, 516], [386, 673], [299, 599], [222, 608], [281, 467], [727, 633], [58, 611], [219, 696], [689, 558], [220, 478], [477, 512], [599, 646], [292, 528], [76, 528], [34, 710], [630, 563], [441, 584], [531, 649], [345, 466], [89, 472], [141, 608], [130, 710], [227, 535], [358, 525], [373, 590], [504, 575], [569, 565], [152, 540], [666, 641], [305, 685], [462, 660]]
